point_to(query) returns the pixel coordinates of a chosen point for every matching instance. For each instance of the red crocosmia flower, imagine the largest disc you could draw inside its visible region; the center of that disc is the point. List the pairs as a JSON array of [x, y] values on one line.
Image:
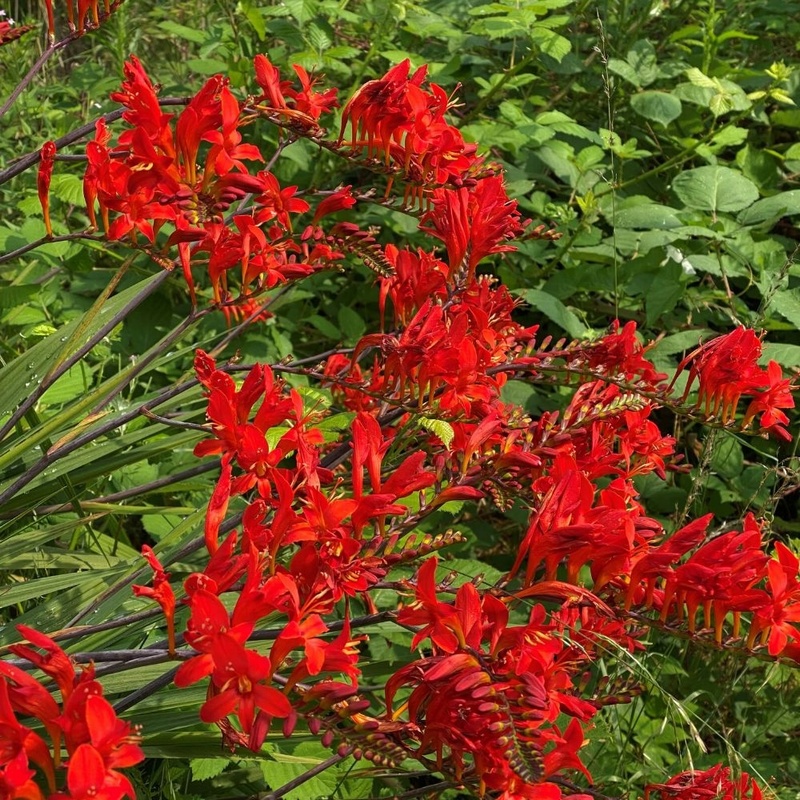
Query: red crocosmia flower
[[47, 157], [769, 401], [774, 620], [621, 353], [473, 223], [227, 152], [218, 507], [161, 592], [237, 685], [726, 368], [309, 102], [56, 663], [16, 779], [437, 618], [339, 200], [717, 783], [277, 203], [113, 738], [88, 778], [28, 696], [269, 79], [565, 754], [15, 738]]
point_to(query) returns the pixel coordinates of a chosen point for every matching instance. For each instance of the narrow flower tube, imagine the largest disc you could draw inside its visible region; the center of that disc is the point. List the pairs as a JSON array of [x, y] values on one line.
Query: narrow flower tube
[[48, 156]]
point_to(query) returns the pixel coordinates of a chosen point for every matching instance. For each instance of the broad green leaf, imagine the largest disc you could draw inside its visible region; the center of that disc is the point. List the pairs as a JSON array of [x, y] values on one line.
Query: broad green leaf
[[643, 61], [715, 188], [553, 308], [787, 304], [190, 34], [787, 355], [12, 296], [665, 291], [204, 769], [728, 458], [770, 209], [207, 66], [660, 107], [646, 216], [624, 70]]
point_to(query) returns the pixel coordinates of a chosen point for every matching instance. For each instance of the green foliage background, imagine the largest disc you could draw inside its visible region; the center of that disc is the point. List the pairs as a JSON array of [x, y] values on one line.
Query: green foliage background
[[660, 139]]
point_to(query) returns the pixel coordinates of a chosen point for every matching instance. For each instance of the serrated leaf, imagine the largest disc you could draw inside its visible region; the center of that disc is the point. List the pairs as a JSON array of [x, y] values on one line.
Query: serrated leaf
[[68, 189], [204, 769], [439, 428], [13, 296]]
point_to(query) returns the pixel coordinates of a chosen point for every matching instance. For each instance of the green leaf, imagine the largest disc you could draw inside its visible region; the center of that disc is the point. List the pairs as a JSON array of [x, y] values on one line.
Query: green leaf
[[771, 209], [255, 17], [351, 324], [624, 70], [728, 458], [787, 355], [715, 188], [660, 107], [207, 66], [787, 304], [13, 296], [439, 428], [184, 32], [204, 769], [553, 308], [647, 216], [68, 189], [550, 43], [287, 767], [643, 61], [664, 292]]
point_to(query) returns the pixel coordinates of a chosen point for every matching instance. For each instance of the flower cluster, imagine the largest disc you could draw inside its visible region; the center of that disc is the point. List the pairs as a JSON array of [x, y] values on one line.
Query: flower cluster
[[326, 517], [98, 743]]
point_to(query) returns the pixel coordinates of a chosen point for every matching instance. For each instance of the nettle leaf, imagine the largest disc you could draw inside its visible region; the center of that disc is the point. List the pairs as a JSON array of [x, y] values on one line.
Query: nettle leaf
[[550, 43], [439, 428], [660, 107], [204, 769], [715, 188]]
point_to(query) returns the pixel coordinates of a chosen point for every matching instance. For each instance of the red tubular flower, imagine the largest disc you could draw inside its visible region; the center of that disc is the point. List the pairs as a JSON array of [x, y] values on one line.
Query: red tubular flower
[[16, 779], [726, 368], [238, 685], [716, 782], [57, 664], [473, 223], [161, 592], [340, 199], [47, 158]]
